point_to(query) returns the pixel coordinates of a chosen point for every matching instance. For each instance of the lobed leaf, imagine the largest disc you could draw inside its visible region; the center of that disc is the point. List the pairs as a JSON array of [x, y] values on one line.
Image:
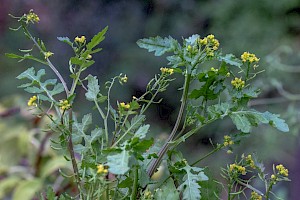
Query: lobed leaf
[[118, 163], [93, 88], [158, 44], [99, 37]]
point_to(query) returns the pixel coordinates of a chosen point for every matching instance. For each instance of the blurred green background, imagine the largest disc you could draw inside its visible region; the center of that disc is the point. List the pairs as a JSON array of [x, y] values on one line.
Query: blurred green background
[[268, 28]]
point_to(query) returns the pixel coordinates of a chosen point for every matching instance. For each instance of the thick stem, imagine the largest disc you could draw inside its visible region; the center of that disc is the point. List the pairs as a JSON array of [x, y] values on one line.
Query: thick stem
[[135, 184], [155, 163]]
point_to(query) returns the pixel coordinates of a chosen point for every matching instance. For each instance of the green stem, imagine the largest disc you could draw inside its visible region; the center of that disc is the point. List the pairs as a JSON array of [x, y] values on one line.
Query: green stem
[[155, 163], [135, 184], [48, 61], [207, 155]]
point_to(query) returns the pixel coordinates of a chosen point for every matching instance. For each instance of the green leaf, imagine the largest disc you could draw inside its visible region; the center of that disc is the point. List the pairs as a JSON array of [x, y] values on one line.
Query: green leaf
[[167, 191], [93, 88], [30, 74], [244, 120], [127, 183], [230, 59], [27, 189], [142, 131], [143, 146], [158, 44], [50, 195], [276, 122], [190, 187], [118, 163], [52, 165], [8, 184], [65, 40], [97, 39]]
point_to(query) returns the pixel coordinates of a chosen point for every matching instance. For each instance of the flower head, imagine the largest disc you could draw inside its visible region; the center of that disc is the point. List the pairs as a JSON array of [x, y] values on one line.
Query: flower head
[[32, 101], [282, 170], [48, 54], [101, 169], [255, 196], [124, 79], [238, 83], [249, 57], [124, 105], [32, 17], [80, 39], [64, 104], [165, 70], [237, 168], [250, 161], [227, 141]]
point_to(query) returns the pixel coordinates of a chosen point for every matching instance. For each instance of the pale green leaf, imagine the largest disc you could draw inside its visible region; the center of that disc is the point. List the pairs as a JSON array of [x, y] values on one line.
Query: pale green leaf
[[167, 191], [276, 122], [158, 44], [93, 88], [27, 189], [118, 163], [230, 59], [65, 40], [142, 131], [53, 165]]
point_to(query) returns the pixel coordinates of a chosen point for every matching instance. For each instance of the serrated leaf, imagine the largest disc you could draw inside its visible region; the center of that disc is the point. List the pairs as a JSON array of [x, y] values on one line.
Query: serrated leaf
[[30, 74], [50, 195], [65, 40], [244, 120], [231, 60], [118, 163], [142, 131], [157, 44], [192, 39], [99, 37], [167, 191], [190, 187], [93, 88], [276, 122]]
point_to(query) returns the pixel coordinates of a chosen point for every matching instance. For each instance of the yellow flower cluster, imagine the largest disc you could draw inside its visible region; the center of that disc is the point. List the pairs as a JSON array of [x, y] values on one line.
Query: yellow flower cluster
[[31, 101], [227, 141], [80, 39], [210, 41], [48, 54], [238, 83], [282, 170], [249, 57], [124, 79], [124, 105], [237, 168], [101, 169], [64, 104], [166, 70], [214, 70], [250, 162], [255, 196], [148, 195], [32, 17]]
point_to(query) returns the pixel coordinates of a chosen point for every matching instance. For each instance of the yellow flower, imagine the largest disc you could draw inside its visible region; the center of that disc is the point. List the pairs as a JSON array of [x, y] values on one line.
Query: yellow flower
[[282, 170], [32, 17], [273, 177], [64, 104], [250, 161], [255, 196], [125, 105], [166, 70], [80, 39], [213, 69], [101, 169], [227, 141], [48, 54], [249, 57], [31, 101], [238, 83], [124, 79], [89, 56], [237, 168]]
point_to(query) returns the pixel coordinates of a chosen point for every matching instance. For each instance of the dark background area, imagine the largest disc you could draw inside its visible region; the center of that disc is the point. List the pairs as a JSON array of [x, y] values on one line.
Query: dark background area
[[270, 29]]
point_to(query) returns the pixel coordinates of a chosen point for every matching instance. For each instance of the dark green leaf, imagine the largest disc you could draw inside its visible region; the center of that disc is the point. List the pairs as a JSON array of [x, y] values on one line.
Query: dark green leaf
[[97, 39]]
